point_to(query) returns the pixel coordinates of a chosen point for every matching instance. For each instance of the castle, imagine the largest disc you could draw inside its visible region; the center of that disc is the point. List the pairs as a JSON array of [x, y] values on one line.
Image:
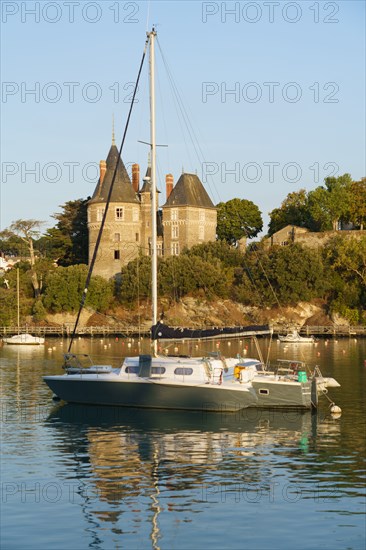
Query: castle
[[188, 216]]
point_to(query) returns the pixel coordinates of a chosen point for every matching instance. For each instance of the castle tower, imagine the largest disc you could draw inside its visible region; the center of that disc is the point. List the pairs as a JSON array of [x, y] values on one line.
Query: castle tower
[[120, 242], [189, 215], [145, 198]]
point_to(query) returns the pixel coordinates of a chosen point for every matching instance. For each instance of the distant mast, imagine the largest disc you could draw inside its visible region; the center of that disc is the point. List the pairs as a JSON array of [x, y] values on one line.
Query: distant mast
[[154, 262]]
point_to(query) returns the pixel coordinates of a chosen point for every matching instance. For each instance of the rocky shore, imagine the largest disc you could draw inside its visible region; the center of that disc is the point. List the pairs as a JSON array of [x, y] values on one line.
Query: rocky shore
[[200, 313]]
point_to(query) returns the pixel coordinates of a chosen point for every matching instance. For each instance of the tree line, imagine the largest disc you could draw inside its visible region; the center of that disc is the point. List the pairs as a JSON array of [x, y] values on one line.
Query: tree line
[[53, 274]]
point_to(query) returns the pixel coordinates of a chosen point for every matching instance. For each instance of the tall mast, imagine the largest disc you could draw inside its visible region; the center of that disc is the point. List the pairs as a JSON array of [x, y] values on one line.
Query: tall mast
[[18, 301], [154, 263]]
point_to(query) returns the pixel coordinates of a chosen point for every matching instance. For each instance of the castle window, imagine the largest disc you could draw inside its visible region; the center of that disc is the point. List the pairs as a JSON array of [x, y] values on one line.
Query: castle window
[[117, 255], [175, 233], [100, 212], [135, 215], [174, 214], [175, 249], [202, 215], [137, 237], [119, 213], [201, 232], [117, 237], [159, 249]]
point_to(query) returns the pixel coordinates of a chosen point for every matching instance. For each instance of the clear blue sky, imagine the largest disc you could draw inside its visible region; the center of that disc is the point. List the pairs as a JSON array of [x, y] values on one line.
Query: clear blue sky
[[303, 62]]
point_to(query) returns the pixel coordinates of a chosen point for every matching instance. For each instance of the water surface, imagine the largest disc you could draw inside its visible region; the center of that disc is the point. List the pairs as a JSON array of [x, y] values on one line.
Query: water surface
[[96, 477]]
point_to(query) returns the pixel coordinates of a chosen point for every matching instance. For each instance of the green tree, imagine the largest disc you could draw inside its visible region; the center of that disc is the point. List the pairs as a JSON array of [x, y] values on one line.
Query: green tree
[[280, 276], [293, 211], [221, 250], [68, 240], [357, 203], [346, 261], [134, 282], [184, 274], [329, 205], [65, 285], [238, 218], [27, 231]]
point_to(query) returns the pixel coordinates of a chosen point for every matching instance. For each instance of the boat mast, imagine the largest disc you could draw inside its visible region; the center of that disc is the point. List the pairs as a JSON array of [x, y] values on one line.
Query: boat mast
[[154, 262], [18, 301]]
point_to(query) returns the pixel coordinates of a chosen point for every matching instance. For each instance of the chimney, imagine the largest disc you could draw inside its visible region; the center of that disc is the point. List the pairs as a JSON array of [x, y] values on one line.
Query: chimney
[[136, 177], [103, 169], [169, 181]]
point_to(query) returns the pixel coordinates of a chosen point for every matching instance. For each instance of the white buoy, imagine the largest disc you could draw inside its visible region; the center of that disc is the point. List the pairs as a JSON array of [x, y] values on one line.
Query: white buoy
[[334, 409]]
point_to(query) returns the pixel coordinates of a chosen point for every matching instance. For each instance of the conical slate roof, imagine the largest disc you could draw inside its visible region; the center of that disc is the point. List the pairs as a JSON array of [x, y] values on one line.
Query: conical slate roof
[[122, 188], [189, 191]]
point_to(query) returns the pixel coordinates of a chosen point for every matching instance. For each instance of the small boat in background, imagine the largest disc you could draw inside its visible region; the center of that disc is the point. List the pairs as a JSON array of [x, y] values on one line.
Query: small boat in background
[[295, 338], [24, 340]]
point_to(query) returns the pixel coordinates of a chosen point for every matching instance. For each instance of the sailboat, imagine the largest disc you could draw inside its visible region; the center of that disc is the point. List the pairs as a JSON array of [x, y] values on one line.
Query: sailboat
[[210, 383], [150, 381], [22, 339]]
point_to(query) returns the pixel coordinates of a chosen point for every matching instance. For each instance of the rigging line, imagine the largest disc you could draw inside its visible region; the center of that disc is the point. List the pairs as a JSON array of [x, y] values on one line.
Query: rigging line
[[190, 129], [268, 281], [91, 267], [178, 112], [160, 96], [180, 105]]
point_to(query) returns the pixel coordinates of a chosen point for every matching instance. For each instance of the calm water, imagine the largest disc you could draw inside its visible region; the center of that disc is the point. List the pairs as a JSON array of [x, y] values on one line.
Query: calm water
[[75, 477]]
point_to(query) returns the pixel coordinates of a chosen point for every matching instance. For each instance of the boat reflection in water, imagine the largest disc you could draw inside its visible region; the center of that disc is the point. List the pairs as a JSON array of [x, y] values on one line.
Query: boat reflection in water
[[130, 464]]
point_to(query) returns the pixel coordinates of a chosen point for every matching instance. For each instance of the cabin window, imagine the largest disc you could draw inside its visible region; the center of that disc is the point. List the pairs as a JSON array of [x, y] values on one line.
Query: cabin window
[[183, 371], [117, 255], [133, 369], [263, 391], [119, 213], [158, 370]]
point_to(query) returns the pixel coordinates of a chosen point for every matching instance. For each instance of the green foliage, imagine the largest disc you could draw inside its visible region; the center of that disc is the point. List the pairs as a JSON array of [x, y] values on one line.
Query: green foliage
[[323, 208], [134, 283], [38, 311], [64, 288], [357, 203], [8, 310], [68, 241], [329, 205], [238, 218], [220, 250], [177, 277], [284, 275], [346, 263], [293, 211], [188, 274]]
